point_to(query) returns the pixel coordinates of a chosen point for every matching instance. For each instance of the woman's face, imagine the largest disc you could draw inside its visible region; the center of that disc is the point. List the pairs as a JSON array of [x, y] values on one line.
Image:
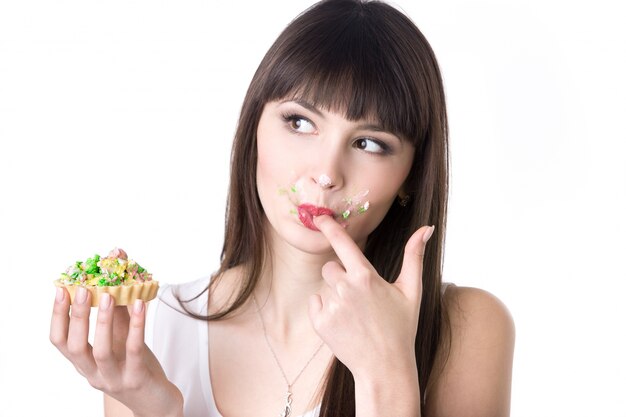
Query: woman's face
[[312, 161]]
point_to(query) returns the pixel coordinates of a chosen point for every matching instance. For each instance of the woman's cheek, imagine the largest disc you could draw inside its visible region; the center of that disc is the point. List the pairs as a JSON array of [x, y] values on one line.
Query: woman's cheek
[[360, 227]]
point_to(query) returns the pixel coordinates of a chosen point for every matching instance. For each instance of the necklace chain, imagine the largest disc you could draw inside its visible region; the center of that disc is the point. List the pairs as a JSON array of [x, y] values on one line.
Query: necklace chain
[[282, 371]]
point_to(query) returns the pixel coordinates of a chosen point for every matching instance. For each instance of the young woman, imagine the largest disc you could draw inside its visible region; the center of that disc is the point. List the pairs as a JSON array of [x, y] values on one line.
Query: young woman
[[329, 300]]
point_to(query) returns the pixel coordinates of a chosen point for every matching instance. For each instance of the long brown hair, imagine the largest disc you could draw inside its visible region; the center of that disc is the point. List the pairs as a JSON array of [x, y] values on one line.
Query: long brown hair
[[364, 59]]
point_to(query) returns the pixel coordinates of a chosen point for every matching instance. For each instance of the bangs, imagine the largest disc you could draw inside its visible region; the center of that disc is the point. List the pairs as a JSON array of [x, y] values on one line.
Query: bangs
[[354, 65]]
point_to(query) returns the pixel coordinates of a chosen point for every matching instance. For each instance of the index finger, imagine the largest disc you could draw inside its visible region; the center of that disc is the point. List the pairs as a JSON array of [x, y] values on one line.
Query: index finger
[[346, 249]]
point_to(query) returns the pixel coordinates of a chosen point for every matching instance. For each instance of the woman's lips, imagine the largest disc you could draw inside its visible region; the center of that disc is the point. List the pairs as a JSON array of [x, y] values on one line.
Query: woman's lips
[[306, 213]]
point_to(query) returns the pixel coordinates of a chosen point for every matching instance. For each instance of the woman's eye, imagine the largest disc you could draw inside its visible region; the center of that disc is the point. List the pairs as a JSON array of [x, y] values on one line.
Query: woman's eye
[[300, 124], [371, 145]]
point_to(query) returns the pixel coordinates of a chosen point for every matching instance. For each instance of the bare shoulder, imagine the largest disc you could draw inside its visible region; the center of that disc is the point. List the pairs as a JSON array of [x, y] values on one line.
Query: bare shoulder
[[477, 313], [473, 376], [224, 288]]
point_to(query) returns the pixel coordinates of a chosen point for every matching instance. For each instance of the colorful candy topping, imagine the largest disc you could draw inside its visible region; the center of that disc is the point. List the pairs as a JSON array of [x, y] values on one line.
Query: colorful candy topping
[[115, 269]]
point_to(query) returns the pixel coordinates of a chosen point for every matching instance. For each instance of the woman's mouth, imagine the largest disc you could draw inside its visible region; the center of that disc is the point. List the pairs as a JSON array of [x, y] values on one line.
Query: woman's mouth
[[306, 213]]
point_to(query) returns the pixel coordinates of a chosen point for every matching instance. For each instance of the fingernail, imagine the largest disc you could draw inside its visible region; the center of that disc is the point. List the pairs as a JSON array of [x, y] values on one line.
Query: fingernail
[[81, 295], [60, 295], [428, 233], [138, 306], [105, 301]]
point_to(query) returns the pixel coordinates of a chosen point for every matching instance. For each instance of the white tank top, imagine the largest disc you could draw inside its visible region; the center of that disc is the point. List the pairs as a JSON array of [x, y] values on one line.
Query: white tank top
[[181, 344]]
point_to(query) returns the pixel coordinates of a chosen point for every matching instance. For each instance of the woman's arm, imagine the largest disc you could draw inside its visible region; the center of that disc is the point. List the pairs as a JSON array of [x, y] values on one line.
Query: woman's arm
[[114, 408], [394, 392], [476, 378], [370, 324]]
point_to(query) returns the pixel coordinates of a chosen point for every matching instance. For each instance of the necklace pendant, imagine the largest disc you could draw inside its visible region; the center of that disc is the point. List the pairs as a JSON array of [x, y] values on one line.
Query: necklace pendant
[[288, 401]]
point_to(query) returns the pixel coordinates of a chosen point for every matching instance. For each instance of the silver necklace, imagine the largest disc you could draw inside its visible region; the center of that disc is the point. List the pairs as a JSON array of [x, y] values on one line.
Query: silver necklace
[[289, 396]]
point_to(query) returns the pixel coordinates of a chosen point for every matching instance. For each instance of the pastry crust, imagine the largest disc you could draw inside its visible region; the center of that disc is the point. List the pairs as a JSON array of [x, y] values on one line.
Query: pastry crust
[[122, 294]]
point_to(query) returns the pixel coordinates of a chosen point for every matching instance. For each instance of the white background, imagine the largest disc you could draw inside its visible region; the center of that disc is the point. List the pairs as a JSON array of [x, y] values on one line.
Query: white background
[[116, 120]]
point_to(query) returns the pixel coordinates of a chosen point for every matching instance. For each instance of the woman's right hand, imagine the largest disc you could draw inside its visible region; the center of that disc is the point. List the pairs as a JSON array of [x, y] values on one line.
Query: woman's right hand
[[119, 363]]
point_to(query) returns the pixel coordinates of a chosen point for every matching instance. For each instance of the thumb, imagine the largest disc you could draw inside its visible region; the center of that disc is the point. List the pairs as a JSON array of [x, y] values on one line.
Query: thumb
[[410, 278]]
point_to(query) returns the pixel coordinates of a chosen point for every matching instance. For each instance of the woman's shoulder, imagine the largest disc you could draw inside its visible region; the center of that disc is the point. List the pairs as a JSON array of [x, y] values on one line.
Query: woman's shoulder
[[477, 308], [176, 301], [184, 290], [216, 290], [475, 371]]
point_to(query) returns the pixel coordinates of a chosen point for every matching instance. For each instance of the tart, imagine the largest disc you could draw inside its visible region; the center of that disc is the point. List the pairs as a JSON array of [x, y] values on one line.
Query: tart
[[115, 274]]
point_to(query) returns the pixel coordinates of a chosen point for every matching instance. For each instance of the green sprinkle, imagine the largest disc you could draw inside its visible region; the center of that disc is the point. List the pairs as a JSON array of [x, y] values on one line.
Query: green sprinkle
[[91, 265], [345, 214], [293, 189], [293, 211]]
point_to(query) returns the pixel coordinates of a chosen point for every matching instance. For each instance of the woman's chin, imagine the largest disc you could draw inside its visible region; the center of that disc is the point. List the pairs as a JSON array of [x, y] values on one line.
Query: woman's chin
[[295, 235], [303, 238], [308, 239]]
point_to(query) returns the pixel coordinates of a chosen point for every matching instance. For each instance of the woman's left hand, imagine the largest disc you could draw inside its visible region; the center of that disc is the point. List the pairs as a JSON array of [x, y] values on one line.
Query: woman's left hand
[[369, 324]]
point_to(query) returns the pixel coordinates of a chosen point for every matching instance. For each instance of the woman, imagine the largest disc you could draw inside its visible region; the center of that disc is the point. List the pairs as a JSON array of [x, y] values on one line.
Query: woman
[[329, 299]]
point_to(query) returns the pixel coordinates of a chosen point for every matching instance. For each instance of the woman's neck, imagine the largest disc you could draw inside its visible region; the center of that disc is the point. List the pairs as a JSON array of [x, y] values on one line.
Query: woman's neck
[[289, 278]]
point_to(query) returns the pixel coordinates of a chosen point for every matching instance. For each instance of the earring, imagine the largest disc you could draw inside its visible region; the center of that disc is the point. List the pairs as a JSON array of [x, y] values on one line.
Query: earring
[[324, 181], [404, 200]]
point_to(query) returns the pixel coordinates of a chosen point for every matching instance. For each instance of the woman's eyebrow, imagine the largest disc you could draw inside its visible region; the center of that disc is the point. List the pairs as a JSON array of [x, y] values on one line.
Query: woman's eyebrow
[[306, 105], [374, 127]]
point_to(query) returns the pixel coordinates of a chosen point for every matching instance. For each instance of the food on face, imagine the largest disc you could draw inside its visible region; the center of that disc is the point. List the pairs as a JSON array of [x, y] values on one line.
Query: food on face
[[309, 202], [125, 280]]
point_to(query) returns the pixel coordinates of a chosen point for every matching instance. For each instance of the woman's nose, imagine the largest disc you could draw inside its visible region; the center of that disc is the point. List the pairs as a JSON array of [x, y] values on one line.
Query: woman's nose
[[324, 181], [327, 169]]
